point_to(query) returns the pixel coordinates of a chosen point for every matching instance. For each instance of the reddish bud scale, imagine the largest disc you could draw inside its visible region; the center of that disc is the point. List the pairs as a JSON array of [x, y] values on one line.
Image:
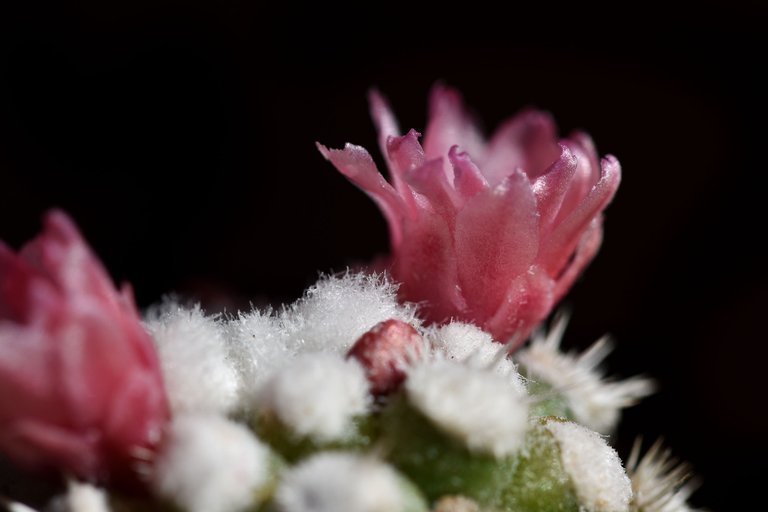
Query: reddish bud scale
[[384, 351]]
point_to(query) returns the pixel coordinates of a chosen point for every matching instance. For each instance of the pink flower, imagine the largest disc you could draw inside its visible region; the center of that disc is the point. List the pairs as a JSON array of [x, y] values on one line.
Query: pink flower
[[490, 232], [80, 384]]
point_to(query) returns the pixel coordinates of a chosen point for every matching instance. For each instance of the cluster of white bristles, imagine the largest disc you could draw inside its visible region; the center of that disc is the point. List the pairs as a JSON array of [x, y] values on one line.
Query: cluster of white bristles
[[290, 365]]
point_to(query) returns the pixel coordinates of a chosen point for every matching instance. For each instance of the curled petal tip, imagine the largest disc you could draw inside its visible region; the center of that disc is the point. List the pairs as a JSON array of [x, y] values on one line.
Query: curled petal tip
[[442, 92], [395, 143], [611, 165], [61, 223], [566, 155], [516, 181], [455, 152], [584, 140], [349, 153], [405, 152], [611, 175], [468, 180], [536, 119], [323, 150]]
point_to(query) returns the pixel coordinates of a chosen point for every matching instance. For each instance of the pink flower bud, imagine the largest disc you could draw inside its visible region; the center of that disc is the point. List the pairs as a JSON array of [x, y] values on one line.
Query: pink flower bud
[[384, 351], [80, 384], [490, 232]]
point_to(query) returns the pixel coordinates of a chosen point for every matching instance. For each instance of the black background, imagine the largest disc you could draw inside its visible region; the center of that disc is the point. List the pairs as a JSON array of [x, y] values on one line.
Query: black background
[[181, 135]]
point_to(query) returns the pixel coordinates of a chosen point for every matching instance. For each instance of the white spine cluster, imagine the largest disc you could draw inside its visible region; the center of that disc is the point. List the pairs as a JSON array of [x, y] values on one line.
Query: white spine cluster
[[594, 401], [475, 405], [198, 374], [211, 464], [658, 481], [594, 467], [340, 482], [317, 395]]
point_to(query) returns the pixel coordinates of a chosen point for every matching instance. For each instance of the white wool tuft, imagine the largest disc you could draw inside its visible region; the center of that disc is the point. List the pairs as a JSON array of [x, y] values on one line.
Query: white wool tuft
[[317, 395], [15, 506], [340, 482], [80, 497], [331, 316], [456, 504], [84, 497], [594, 401], [338, 309], [594, 467], [475, 405], [258, 344], [211, 464], [472, 345], [198, 374]]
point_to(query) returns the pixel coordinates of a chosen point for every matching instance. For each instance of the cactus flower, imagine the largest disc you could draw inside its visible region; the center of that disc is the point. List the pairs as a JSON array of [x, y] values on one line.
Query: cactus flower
[[488, 232], [81, 385]]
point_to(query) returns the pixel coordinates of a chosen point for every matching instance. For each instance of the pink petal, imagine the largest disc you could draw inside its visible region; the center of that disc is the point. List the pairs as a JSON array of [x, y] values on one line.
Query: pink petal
[[561, 243], [131, 326], [15, 277], [430, 180], [450, 125], [25, 371], [585, 252], [551, 187], [527, 302], [404, 155], [586, 176], [38, 444], [387, 128], [468, 180], [137, 414], [62, 255], [526, 141], [584, 142], [356, 164], [66, 354], [496, 240], [426, 266], [386, 124], [92, 355]]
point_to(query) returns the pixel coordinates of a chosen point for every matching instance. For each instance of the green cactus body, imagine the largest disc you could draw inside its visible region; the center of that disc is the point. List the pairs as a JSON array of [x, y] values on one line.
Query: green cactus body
[[547, 401], [413, 498], [540, 483], [294, 447], [263, 494], [439, 464]]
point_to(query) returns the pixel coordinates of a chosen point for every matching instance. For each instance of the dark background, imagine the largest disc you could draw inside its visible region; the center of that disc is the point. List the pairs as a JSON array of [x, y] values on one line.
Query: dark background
[[181, 135]]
